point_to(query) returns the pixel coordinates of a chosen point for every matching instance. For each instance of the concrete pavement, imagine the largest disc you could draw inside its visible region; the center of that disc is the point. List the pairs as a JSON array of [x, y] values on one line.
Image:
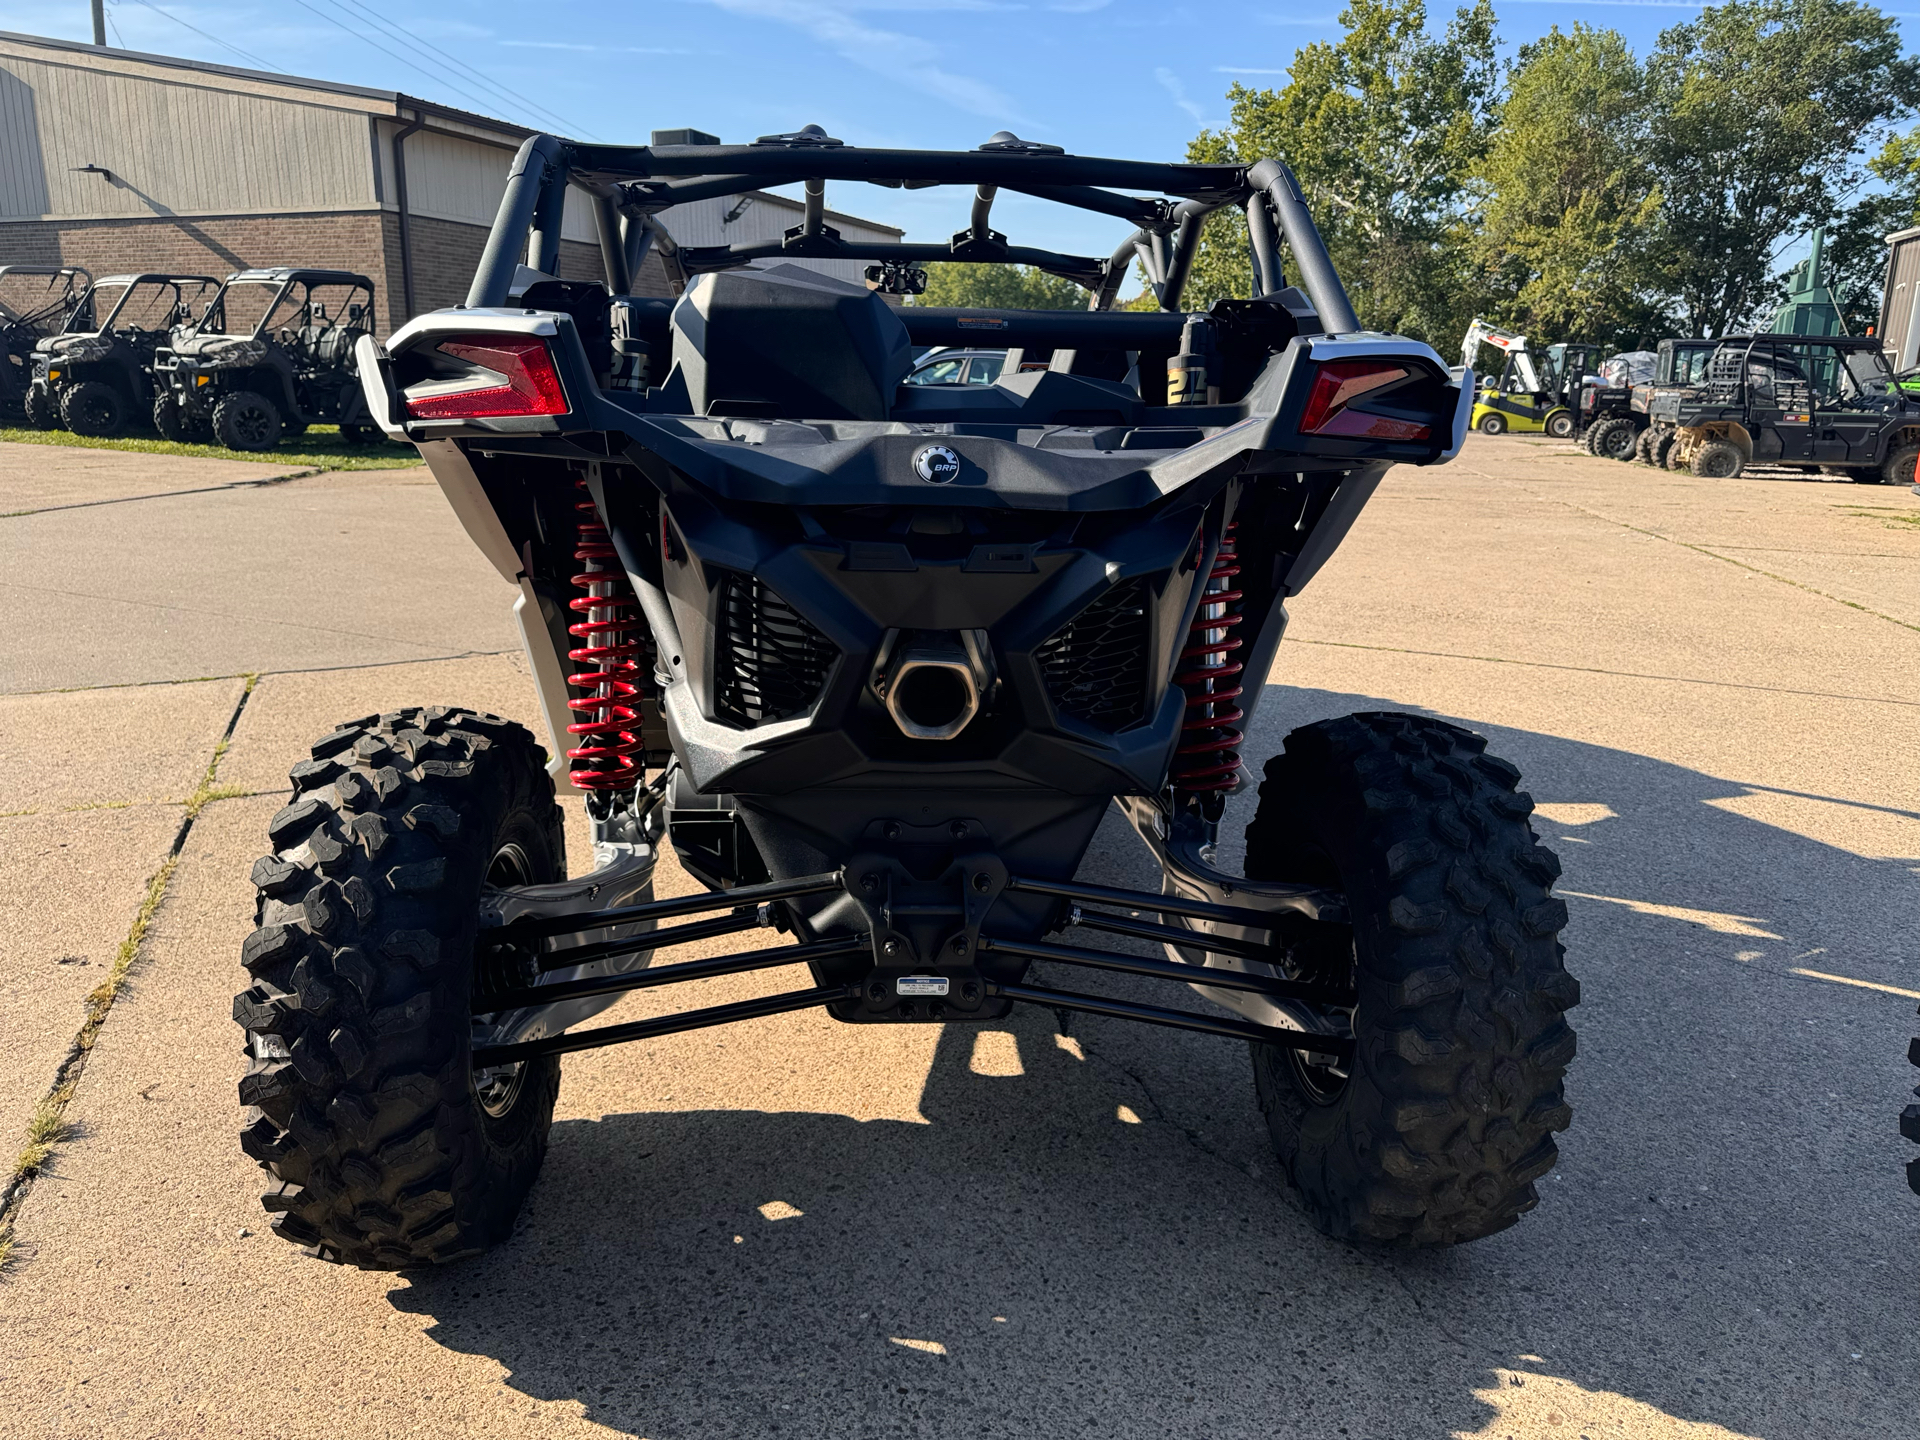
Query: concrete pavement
[[798, 1228]]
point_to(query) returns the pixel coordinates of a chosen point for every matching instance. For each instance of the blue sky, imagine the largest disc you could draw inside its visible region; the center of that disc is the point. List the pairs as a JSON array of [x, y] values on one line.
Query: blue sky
[[1132, 78]]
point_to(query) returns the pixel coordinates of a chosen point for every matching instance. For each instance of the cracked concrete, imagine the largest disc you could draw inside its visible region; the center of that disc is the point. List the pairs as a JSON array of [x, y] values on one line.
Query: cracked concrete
[[795, 1227]]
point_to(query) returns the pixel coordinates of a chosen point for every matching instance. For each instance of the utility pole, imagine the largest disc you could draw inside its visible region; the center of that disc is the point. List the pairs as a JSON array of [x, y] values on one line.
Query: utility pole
[[100, 22]]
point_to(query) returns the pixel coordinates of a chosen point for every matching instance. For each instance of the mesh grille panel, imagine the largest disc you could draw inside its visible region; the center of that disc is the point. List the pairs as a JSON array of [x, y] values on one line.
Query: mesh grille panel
[[769, 660], [1095, 665]]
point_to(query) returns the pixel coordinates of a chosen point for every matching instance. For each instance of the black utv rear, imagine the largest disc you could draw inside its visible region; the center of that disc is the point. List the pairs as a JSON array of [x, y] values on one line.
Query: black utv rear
[[273, 354], [875, 659]]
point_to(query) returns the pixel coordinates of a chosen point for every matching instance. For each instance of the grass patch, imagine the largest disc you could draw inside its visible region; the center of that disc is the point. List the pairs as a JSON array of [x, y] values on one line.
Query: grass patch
[[321, 448], [1893, 519], [49, 1127]]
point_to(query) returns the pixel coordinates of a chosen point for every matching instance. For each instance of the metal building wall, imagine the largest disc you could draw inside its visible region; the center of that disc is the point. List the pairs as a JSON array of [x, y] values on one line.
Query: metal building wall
[[1899, 317], [172, 148]]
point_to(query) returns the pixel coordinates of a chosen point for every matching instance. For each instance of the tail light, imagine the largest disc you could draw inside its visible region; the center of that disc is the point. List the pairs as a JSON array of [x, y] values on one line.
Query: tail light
[[1333, 406], [500, 375]]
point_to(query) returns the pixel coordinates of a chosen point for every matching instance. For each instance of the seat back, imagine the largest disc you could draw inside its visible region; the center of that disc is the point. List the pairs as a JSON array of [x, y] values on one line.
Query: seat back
[[786, 343]]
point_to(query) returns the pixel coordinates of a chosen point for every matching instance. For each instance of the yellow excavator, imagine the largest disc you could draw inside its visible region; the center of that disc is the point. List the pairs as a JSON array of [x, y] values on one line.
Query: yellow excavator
[[1525, 398]]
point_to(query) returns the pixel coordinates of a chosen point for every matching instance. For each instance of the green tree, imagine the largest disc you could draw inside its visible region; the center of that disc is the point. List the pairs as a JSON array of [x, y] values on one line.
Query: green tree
[[1568, 196], [1762, 112], [1384, 129], [999, 287]]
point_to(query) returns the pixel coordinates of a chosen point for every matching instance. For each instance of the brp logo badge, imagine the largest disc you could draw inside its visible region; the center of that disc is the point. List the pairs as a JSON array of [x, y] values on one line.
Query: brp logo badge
[[937, 465]]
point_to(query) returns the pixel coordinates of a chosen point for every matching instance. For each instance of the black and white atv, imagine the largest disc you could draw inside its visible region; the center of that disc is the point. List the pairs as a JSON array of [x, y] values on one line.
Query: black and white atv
[[875, 659]]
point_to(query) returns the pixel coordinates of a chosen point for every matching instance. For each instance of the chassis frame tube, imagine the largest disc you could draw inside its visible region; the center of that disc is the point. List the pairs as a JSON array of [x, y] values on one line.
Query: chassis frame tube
[[735, 964], [1168, 970], [1339, 1046], [1165, 904], [666, 909], [755, 1009]]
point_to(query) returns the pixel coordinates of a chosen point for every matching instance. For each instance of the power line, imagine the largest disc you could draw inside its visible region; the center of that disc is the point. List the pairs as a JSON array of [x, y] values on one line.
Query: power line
[[368, 39], [447, 60], [452, 82], [249, 57]]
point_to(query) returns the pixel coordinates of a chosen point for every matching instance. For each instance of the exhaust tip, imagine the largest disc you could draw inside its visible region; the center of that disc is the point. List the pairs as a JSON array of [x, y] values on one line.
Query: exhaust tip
[[932, 697]]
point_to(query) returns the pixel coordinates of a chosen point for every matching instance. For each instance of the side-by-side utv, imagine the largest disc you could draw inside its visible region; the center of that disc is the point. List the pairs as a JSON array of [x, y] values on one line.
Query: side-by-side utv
[[1806, 402], [875, 659], [272, 355], [96, 375], [35, 301]]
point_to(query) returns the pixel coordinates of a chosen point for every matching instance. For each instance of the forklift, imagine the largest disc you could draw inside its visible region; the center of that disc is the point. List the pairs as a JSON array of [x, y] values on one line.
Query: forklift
[[1530, 397]]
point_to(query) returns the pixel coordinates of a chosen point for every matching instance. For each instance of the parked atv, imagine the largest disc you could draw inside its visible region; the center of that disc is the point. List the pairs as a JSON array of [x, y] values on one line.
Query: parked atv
[[875, 659], [272, 355], [1609, 424], [96, 376], [1680, 370], [35, 301], [1810, 402]]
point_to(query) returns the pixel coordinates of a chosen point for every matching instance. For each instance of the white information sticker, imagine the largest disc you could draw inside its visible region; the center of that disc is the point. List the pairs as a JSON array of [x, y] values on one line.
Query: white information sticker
[[921, 985]]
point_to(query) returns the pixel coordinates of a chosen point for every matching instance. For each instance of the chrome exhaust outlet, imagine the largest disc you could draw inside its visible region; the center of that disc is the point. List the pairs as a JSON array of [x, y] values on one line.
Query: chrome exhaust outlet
[[933, 682]]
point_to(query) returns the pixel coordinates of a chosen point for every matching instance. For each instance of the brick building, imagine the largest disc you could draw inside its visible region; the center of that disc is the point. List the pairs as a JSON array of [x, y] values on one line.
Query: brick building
[[119, 161]]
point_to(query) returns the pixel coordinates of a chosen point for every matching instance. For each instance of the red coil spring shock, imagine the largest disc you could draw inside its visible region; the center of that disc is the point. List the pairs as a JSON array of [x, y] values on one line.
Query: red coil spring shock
[[1208, 757], [608, 713]]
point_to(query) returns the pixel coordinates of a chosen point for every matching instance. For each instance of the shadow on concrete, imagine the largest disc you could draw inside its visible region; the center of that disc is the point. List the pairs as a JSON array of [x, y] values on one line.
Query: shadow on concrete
[[1717, 1244]]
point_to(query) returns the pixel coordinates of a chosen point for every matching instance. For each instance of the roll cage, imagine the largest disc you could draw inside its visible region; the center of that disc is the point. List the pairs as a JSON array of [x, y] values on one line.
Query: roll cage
[[631, 186], [83, 320], [283, 280]]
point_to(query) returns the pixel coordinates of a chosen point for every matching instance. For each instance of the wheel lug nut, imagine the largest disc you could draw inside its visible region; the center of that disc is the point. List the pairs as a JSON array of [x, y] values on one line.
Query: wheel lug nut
[[983, 882]]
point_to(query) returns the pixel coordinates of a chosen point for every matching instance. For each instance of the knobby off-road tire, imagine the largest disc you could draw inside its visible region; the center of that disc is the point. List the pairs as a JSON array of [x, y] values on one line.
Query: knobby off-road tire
[[1446, 1117], [93, 407], [1717, 460], [246, 420], [43, 410], [176, 423], [1613, 439], [1910, 1120], [1898, 470], [385, 1149]]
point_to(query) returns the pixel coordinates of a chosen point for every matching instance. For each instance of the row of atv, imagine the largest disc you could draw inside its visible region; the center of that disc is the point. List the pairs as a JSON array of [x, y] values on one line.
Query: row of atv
[[1819, 404], [242, 362]]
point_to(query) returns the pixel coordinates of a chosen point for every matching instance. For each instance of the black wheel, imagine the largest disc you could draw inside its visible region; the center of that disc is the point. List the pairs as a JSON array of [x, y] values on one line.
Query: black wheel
[[386, 1148], [1614, 439], [43, 410], [1717, 460], [1670, 455], [1446, 1115], [93, 407], [178, 424], [1899, 469], [1910, 1121], [1493, 423], [1560, 424], [1643, 446], [246, 420]]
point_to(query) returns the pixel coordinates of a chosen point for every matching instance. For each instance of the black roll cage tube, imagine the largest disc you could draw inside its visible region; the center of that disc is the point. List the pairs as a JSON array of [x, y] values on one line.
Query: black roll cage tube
[[630, 185]]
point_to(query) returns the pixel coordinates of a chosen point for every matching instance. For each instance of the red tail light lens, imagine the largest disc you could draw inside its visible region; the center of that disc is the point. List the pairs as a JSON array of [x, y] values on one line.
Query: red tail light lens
[[517, 378], [1338, 385]]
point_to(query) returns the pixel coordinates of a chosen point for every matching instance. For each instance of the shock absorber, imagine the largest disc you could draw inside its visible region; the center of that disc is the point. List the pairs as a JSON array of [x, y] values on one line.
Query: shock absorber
[[608, 714], [1208, 757]]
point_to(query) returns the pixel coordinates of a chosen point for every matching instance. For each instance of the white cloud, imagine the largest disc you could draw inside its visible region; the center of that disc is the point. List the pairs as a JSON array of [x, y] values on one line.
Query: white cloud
[[905, 58], [1170, 83]]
